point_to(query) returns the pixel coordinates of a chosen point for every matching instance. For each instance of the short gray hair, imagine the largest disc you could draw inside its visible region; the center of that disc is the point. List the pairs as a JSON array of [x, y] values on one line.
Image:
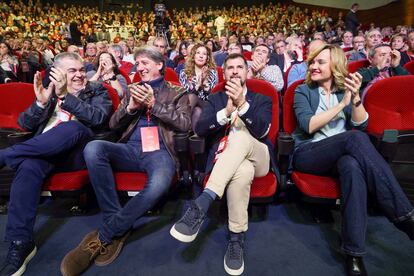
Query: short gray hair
[[152, 53], [69, 55], [117, 48]]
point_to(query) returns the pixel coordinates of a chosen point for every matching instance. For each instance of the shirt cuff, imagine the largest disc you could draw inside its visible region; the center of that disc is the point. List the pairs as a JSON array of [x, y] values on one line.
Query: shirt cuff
[[39, 104], [222, 119], [360, 123], [244, 109]]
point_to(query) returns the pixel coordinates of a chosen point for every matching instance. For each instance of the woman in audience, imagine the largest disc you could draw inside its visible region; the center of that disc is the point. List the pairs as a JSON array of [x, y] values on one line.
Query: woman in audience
[[329, 141], [199, 75], [399, 43], [182, 53], [107, 71], [8, 61]]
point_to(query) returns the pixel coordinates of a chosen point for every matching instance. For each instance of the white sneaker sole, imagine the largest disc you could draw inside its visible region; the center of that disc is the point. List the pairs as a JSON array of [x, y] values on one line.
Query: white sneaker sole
[[181, 237], [22, 269], [233, 271]]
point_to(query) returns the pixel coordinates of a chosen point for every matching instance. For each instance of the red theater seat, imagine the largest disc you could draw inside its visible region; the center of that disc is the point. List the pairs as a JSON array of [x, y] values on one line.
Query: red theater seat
[[14, 99], [311, 186], [390, 105], [409, 66], [74, 182], [247, 55], [220, 74], [355, 65]]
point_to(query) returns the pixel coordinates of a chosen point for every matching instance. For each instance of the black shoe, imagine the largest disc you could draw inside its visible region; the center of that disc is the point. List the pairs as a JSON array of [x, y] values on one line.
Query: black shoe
[[233, 260], [186, 229], [20, 253], [355, 266], [407, 226]]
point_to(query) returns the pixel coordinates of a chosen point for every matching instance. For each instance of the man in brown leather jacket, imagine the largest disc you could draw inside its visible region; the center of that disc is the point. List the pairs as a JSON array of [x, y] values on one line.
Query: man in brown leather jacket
[[147, 119]]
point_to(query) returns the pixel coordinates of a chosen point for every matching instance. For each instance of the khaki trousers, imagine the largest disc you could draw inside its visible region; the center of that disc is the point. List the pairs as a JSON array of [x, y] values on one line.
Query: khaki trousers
[[243, 159]]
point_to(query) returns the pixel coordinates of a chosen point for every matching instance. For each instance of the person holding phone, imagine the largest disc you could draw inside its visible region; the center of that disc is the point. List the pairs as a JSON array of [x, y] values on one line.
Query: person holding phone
[[329, 141], [236, 122], [63, 118], [148, 117]]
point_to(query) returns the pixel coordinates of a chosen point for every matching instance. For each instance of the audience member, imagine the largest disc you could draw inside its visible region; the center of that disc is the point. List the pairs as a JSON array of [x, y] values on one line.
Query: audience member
[[63, 119], [168, 112], [243, 119], [385, 63], [327, 107], [106, 70]]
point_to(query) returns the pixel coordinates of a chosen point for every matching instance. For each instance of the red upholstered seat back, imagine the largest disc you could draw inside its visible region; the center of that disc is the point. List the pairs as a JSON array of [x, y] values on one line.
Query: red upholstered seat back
[[409, 66], [247, 55], [114, 97], [170, 75], [353, 66], [264, 88], [14, 99], [289, 118], [390, 104], [220, 73]]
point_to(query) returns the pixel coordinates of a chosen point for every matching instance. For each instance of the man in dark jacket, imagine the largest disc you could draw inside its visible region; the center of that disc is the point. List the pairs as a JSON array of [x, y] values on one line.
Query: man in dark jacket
[[351, 20], [62, 119], [236, 122], [148, 119], [385, 63]]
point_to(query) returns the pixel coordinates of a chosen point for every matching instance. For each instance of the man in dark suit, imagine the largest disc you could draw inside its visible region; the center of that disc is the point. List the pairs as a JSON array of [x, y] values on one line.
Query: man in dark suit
[[236, 122], [351, 20], [62, 119]]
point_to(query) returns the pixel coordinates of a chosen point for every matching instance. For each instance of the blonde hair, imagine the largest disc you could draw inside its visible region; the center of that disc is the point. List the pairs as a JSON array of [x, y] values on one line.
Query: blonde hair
[[190, 63], [339, 65]]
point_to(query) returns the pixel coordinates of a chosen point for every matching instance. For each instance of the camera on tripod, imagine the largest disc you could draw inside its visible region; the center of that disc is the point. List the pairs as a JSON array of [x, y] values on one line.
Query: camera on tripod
[[160, 22]]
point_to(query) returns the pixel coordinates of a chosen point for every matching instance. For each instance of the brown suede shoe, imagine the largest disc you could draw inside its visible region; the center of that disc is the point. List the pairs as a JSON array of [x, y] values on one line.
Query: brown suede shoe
[[80, 258], [112, 250]]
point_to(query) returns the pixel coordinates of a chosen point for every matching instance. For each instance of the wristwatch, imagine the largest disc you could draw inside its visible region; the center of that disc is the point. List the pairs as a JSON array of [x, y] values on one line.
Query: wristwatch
[[358, 103]]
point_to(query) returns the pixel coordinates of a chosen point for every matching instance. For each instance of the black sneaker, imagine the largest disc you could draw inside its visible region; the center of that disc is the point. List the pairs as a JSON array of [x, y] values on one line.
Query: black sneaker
[[20, 253], [233, 260], [186, 229]]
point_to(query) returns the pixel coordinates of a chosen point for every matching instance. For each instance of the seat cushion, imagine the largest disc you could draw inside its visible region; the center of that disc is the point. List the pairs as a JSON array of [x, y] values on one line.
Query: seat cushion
[[130, 181], [316, 186], [262, 187], [67, 181]]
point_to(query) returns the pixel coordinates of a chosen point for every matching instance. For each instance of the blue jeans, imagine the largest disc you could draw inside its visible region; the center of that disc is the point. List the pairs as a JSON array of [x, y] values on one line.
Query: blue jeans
[[101, 158], [361, 170], [33, 160]]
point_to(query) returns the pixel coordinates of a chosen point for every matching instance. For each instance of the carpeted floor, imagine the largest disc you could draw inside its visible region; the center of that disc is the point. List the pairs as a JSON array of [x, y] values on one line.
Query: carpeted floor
[[285, 242]]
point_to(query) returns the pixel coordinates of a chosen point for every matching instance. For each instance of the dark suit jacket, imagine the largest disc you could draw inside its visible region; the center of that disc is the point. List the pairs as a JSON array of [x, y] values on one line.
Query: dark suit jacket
[[257, 120], [351, 22]]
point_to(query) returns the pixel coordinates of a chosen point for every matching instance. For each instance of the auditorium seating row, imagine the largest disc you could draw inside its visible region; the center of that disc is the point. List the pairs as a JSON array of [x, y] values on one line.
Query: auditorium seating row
[[388, 102]]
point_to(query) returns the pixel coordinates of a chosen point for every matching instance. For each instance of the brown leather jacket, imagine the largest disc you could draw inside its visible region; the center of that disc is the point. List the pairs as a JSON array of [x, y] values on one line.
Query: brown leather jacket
[[171, 107]]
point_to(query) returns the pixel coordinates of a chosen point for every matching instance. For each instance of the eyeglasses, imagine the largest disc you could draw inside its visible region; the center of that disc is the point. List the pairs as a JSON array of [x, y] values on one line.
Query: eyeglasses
[[159, 46]]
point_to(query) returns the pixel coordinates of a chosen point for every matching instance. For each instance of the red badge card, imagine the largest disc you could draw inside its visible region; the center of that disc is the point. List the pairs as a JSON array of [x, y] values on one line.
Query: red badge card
[[149, 139]]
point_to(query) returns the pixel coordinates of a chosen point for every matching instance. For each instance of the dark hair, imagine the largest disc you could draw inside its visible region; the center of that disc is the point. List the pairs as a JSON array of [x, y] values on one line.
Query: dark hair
[[9, 48], [234, 56], [96, 63]]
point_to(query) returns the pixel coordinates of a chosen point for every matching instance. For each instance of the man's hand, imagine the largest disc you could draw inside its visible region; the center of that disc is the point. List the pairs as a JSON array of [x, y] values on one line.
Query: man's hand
[[258, 64], [42, 94], [234, 90], [395, 58], [58, 78], [141, 96], [230, 107]]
